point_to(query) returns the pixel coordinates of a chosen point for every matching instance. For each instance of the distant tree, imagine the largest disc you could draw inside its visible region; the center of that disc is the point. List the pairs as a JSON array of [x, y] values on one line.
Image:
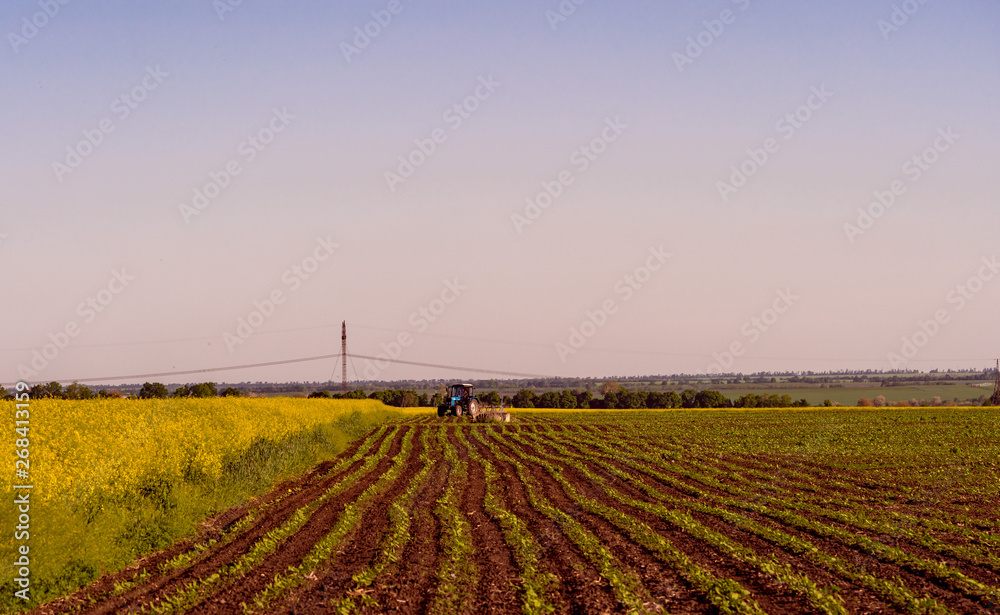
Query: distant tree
[[880, 401], [567, 400], [583, 399], [550, 399], [688, 398], [182, 391], [712, 399], [408, 399], [631, 400], [827, 403], [52, 390], [355, 394], [153, 390], [437, 400], [4, 395], [109, 394], [864, 402], [611, 386], [525, 398], [422, 400], [610, 401], [749, 400], [318, 395], [78, 391], [204, 389], [490, 398], [936, 401], [232, 392], [801, 403]]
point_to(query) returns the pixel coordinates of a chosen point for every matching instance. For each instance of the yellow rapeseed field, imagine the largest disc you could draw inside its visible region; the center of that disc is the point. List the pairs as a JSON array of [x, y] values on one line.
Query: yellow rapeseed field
[[108, 447]]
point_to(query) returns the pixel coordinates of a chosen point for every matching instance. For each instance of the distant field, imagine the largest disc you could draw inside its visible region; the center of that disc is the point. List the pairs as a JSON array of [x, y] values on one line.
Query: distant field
[[850, 396], [836, 511]]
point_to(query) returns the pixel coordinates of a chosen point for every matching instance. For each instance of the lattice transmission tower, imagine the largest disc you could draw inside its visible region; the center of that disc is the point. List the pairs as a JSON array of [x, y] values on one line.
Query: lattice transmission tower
[[343, 356]]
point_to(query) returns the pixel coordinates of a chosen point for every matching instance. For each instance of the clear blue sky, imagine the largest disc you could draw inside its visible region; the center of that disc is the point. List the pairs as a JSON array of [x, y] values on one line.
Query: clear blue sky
[[116, 113]]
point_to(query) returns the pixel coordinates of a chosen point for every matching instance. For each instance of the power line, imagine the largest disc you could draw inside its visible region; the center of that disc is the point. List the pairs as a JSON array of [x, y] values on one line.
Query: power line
[[465, 369], [300, 360]]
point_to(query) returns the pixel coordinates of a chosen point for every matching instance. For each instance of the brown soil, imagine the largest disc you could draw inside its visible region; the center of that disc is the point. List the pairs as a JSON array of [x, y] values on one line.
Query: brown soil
[[409, 586]]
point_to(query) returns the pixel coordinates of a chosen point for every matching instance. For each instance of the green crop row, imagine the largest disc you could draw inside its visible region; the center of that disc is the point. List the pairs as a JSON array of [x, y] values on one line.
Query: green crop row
[[626, 585], [824, 599], [619, 452], [457, 574], [727, 595], [536, 584], [886, 522], [779, 510], [871, 521], [192, 593], [395, 540], [323, 551]]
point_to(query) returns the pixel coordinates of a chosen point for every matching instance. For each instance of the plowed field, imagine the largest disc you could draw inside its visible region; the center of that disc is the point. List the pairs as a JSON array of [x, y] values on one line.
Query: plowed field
[[550, 514]]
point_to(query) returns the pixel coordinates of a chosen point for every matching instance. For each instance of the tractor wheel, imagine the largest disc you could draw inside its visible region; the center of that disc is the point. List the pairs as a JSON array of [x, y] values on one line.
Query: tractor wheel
[[442, 410], [473, 408]]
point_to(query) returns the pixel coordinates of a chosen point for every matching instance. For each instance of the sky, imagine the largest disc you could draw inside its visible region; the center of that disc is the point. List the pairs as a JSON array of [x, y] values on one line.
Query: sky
[[576, 188]]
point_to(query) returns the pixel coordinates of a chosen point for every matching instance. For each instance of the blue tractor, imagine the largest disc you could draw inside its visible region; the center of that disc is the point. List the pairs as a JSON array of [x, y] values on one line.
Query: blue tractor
[[459, 400]]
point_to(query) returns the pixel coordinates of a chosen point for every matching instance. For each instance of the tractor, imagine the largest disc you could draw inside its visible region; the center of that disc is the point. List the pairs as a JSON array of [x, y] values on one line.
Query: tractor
[[459, 400]]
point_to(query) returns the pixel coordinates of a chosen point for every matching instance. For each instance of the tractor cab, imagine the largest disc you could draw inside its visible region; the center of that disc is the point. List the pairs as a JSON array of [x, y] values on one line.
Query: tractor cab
[[459, 400]]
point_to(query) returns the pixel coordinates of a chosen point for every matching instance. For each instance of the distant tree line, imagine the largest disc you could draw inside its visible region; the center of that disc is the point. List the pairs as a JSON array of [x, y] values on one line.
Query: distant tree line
[[621, 399], [149, 390]]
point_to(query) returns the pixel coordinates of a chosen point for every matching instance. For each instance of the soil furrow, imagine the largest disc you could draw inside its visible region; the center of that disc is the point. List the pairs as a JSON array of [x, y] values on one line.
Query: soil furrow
[[497, 571], [582, 588]]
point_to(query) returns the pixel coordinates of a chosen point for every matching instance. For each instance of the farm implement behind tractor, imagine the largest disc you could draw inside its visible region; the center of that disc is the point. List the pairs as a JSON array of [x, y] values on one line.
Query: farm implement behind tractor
[[460, 400]]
